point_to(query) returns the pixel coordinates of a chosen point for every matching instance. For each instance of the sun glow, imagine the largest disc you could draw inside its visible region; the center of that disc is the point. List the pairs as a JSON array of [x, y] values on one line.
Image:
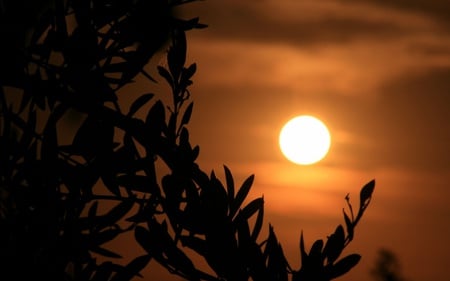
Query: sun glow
[[304, 140]]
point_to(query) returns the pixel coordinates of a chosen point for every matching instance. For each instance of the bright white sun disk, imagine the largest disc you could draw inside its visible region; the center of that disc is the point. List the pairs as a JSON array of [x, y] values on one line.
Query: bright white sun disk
[[304, 140]]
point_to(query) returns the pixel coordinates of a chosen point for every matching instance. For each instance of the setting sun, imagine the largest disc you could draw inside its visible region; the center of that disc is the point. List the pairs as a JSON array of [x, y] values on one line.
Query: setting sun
[[304, 140]]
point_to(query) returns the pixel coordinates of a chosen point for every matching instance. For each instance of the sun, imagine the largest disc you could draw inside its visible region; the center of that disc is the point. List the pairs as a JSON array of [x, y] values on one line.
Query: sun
[[304, 140]]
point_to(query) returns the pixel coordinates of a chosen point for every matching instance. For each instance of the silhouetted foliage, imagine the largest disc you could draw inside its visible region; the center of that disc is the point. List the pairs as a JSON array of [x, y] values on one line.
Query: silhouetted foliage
[[387, 267], [75, 56]]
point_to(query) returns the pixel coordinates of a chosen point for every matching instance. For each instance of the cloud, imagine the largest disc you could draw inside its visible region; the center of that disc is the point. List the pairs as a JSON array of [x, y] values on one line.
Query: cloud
[[414, 112], [372, 90], [436, 9], [307, 22]]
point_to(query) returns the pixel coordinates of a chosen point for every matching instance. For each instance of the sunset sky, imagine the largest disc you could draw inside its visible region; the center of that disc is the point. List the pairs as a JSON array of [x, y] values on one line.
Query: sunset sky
[[378, 74]]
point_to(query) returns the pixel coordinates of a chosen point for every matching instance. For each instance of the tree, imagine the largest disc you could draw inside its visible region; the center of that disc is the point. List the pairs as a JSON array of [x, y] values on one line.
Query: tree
[[387, 267], [76, 56]]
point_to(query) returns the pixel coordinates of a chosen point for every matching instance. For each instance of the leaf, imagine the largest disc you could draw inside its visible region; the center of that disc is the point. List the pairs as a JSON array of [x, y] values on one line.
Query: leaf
[[243, 230], [195, 243], [303, 254], [195, 152], [241, 195], [142, 236], [156, 119], [138, 103], [176, 56], [186, 74], [88, 270], [104, 271], [184, 138], [189, 72], [214, 199], [315, 253], [344, 265], [138, 183], [93, 210], [115, 214], [187, 114], [335, 245], [171, 127], [259, 221], [132, 269], [366, 193], [277, 264], [230, 184], [349, 225], [100, 238], [179, 260], [166, 75], [105, 252], [249, 210]]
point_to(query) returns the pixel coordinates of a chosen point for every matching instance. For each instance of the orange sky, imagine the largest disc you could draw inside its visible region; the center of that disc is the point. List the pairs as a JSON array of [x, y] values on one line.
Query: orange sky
[[377, 73]]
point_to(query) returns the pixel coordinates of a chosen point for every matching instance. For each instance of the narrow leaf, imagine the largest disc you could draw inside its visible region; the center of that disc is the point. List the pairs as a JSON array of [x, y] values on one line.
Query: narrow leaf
[[303, 254], [165, 74], [230, 184], [344, 265], [187, 114], [142, 236], [258, 223], [104, 272], [104, 236], [132, 269], [115, 214], [195, 243], [316, 249], [156, 118], [349, 225], [335, 245], [105, 252], [93, 210], [138, 103], [176, 56], [249, 210], [366, 193], [190, 71], [138, 183], [241, 195]]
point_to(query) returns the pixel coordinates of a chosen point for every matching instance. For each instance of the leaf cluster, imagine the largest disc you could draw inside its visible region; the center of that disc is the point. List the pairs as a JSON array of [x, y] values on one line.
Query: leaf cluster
[[61, 205]]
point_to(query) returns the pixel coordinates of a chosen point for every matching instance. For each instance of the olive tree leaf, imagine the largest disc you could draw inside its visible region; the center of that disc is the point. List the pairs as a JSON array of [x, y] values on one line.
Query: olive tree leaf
[[259, 221], [195, 243], [132, 269], [139, 102], [366, 193], [303, 254], [104, 271], [138, 183], [241, 195], [344, 265], [334, 245], [230, 184], [349, 225], [364, 198], [166, 75], [315, 253], [249, 210], [187, 114], [176, 56]]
